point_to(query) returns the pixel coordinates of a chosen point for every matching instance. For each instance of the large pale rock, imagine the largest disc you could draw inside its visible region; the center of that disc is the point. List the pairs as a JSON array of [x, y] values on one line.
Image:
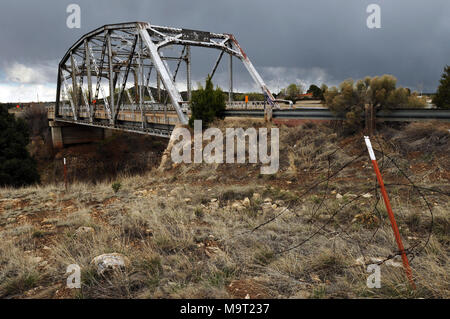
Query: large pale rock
[[110, 262], [237, 206], [256, 196], [166, 159]]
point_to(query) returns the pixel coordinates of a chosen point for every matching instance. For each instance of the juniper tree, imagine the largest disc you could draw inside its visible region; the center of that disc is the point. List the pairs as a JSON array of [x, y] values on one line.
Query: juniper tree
[[442, 97], [17, 167], [207, 103]]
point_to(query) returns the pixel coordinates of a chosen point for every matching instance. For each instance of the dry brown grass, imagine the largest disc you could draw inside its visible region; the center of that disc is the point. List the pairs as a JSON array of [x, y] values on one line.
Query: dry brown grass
[[185, 239]]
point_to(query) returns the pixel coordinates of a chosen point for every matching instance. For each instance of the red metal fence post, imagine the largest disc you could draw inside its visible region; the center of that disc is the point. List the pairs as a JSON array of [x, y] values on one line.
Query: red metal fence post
[[65, 174], [398, 239]]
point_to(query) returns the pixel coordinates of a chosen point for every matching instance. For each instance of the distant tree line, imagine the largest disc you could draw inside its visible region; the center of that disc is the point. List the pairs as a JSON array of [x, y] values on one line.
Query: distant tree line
[[17, 167]]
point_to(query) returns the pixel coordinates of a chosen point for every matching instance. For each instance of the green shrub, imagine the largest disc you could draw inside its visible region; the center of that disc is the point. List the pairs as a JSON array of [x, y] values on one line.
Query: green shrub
[[17, 167], [207, 104], [379, 92], [442, 97], [116, 186], [199, 213]]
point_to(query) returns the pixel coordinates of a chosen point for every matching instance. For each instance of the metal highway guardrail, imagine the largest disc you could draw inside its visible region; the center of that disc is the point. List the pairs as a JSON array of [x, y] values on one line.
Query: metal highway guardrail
[[405, 115]]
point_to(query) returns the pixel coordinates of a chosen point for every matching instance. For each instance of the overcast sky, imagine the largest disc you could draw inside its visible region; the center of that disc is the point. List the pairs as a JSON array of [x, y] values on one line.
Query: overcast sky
[[303, 41]]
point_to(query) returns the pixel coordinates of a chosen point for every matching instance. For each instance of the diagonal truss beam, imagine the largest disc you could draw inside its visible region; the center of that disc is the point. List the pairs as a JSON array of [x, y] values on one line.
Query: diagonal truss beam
[[175, 96]]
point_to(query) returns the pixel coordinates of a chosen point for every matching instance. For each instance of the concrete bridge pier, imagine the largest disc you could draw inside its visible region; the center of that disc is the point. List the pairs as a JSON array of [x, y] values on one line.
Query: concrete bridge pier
[[67, 134]]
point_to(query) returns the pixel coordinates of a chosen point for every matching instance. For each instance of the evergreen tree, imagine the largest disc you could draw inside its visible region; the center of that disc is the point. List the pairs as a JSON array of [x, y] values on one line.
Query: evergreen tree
[[316, 91], [17, 167], [207, 104], [442, 97]]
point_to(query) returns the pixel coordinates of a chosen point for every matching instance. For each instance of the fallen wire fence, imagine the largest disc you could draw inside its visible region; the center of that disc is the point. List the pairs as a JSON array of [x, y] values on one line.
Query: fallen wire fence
[[386, 160]]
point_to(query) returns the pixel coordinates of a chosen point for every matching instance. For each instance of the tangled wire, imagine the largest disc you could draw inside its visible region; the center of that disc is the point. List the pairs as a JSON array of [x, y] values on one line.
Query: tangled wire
[[412, 251]]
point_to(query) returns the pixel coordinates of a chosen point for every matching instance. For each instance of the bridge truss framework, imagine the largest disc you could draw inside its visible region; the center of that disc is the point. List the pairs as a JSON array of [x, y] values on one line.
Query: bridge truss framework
[[109, 56]]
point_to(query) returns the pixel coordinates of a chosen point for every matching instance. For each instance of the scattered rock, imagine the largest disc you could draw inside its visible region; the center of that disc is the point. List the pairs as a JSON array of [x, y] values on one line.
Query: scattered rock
[[375, 260], [84, 230], [237, 206], [367, 195], [247, 289], [46, 221], [256, 196], [36, 259], [108, 262], [246, 202], [148, 232], [267, 200], [339, 196], [315, 278], [281, 209], [213, 200], [214, 251]]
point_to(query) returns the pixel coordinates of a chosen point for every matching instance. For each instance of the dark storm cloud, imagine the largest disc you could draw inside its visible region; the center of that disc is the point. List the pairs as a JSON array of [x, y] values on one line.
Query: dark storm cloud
[[294, 38]]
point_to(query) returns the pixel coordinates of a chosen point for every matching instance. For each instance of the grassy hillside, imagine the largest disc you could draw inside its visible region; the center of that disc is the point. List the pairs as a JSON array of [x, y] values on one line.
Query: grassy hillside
[[213, 231]]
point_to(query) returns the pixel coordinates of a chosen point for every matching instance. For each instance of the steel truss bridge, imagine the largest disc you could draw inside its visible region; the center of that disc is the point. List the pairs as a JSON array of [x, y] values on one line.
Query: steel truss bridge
[[110, 57], [126, 58]]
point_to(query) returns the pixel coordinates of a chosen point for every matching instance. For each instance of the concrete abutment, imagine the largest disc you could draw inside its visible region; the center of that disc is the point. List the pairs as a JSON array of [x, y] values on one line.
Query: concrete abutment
[[68, 134]]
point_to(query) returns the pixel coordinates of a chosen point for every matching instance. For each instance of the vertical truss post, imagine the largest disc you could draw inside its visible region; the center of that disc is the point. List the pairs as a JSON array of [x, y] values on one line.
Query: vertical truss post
[[58, 93], [141, 87], [136, 75], [158, 87], [74, 86], [89, 78], [230, 94], [188, 73], [111, 79]]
